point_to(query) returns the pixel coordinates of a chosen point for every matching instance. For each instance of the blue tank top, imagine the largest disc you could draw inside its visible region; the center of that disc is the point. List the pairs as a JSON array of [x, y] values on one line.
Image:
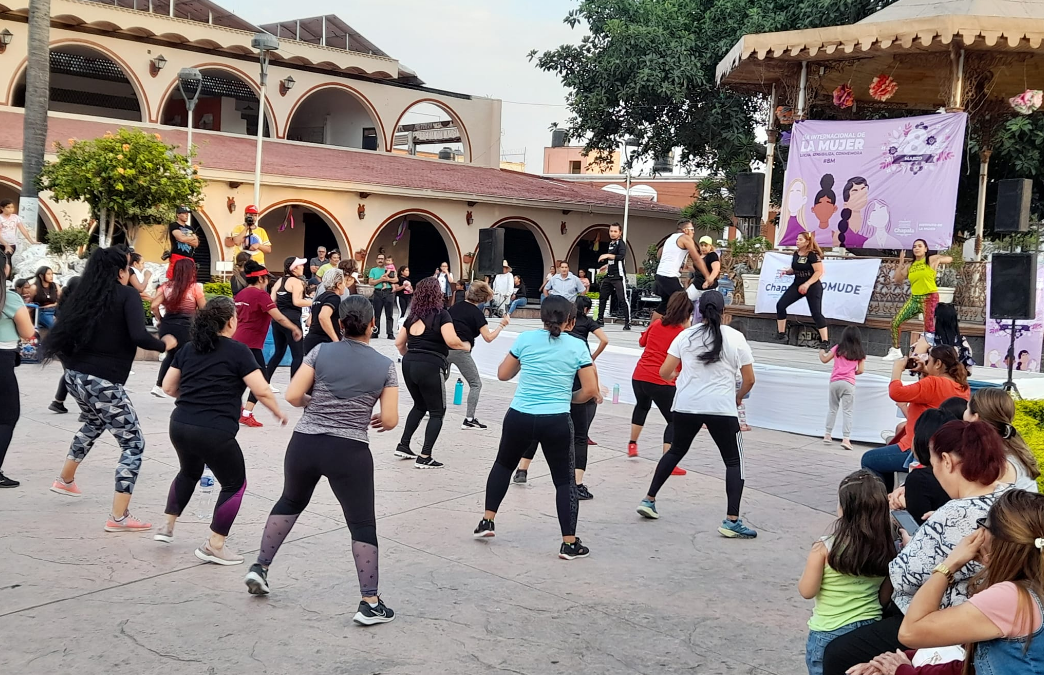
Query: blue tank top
[[1008, 656]]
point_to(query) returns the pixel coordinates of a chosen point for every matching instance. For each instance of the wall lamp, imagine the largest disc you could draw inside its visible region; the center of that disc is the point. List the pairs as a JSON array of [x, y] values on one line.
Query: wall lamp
[[156, 65], [286, 85], [5, 39]]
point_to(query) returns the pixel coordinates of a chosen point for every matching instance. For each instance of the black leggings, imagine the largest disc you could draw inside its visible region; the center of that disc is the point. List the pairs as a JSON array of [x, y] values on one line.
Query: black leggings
[[426, 384], [259, 356], [582, 415], [180, 326], [647, 393], [63, 389], [863, 644], [404, 304], [282, 338], [814, 297], [553, 433], [348, 465], [218, 449], [10, 404], [725, 431]]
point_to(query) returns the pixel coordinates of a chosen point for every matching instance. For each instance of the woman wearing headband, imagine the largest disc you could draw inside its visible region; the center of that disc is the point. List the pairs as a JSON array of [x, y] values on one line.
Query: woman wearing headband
[[289, 296]]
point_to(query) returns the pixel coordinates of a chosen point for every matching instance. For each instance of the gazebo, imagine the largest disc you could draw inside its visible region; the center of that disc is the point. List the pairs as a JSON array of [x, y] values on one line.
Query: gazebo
[[970, 55]]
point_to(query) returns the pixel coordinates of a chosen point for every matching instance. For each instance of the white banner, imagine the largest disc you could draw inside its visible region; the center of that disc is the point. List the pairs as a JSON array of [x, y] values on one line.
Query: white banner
[[847, 287]]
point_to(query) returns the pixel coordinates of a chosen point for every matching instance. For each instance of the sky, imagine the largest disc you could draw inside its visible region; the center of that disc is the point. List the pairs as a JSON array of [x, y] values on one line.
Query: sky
[[476, 47]]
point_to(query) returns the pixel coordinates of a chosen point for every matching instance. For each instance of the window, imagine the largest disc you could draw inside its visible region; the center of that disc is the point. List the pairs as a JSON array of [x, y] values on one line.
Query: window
[[574, 167]]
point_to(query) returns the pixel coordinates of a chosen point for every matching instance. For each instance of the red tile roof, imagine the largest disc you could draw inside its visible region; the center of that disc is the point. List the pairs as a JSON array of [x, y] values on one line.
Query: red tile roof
[[295, 160]]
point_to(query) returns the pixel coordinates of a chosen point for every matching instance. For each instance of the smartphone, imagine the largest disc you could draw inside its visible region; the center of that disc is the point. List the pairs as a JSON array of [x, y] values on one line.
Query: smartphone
[[911, 363], [906, 521]]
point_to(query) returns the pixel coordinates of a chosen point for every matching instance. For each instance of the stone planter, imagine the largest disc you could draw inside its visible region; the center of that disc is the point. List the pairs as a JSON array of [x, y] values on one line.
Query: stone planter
[[946, 294], [750, 288]]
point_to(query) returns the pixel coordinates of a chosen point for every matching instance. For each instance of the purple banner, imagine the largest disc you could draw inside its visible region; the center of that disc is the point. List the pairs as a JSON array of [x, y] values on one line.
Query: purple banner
[[878, 184], [1028, 334]]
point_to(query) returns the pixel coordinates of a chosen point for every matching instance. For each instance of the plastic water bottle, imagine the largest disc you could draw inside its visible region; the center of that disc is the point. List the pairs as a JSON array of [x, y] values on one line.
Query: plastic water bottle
[[458, 392], [205, 505], [616, 393]]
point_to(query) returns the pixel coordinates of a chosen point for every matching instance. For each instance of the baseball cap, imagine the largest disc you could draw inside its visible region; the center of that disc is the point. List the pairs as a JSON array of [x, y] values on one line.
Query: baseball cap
[[298, 261], [712, 298], [706, 240], [184, 209], [250, 209]]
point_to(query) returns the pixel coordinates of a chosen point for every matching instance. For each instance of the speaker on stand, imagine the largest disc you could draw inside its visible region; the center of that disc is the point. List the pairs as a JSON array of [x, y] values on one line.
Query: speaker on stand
[[1013, 295], [750, 190]]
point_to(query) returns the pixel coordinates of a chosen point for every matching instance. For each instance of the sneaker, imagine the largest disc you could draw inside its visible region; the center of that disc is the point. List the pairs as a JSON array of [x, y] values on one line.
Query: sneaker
[[627, 326], [590, 442], [632, 449], [164, 533], [573, 551], [847, 444], [521, 477], [371, 616], [678, 471], [6, 482], [781, 338], [127, 523], [59, 486], [58, 407], [427, 463], [274, 389], [582, 493], [887, 436], [404, 452], [158, 392], [485, 529], [828, 440], [735, 529], [250, 421], [219, 556], [647, 509], [473, 423], [894, 354], [257, 580]]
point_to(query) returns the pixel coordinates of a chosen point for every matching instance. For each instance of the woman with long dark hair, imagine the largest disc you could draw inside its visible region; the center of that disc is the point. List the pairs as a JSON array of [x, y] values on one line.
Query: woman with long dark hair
[[58, 404], [403, 288], [924, 294], [207, 377], [338, 386], [101, 329], [947, 333], [179, 297], [289, 296], [807, 270], [710, 355], [46, 293], [14, 324], [239, 280], [424, 342], [546, 362]]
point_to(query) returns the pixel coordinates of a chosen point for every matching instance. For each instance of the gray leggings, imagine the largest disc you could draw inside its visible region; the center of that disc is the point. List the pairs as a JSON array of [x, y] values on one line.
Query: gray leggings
[[842, 393], [466, 365]]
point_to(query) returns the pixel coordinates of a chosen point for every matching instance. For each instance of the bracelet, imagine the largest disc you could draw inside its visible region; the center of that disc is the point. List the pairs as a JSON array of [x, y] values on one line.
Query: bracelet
[[944, 569]]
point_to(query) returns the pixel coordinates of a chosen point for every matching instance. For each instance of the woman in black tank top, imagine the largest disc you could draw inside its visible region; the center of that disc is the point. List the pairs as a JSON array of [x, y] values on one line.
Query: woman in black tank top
[[289, 296]]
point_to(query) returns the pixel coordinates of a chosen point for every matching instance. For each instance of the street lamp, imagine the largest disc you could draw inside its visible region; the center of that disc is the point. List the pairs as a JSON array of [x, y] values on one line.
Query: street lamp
[[190, 83], [263, 43]]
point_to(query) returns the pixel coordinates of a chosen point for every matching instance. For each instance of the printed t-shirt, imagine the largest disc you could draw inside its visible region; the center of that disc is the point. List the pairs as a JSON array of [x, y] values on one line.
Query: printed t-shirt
[[468, 321], [922, 278], [545, 382], [657, 340], [252, 307], [211, 390], [708, 389], [180, 247], [802, 265]]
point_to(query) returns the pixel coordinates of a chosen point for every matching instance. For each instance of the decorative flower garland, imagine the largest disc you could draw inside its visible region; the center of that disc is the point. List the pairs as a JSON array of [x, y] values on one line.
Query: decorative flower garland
[[883, 87], [1028, 102], [843, 96]]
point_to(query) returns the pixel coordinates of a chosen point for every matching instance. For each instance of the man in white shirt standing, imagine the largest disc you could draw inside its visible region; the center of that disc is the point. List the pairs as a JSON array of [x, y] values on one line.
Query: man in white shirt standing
[[565, 283], [503, 288]]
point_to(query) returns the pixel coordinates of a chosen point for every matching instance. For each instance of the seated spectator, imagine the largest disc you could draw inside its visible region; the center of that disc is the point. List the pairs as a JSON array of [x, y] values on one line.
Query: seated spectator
[[921, 495], [996, 408], [947, 333], [955, 406], [968, 459]]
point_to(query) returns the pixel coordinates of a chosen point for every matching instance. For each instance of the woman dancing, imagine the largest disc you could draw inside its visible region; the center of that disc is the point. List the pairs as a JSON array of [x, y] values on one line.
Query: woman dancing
[[14, 324], [289, 296], [180, 298], [807, 269], [924, 294]]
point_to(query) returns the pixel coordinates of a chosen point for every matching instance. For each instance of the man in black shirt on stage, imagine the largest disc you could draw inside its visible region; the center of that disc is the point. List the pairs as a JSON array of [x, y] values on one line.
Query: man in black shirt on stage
[[613, 282]]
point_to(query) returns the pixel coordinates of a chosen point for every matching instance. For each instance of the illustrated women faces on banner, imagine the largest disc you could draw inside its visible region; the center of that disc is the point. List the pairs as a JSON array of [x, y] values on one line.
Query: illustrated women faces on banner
[[794, 212], [856, 194], [824, 206]]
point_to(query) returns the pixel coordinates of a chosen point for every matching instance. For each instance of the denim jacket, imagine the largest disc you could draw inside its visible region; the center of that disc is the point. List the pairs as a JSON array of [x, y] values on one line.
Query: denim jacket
[[1005, 656]]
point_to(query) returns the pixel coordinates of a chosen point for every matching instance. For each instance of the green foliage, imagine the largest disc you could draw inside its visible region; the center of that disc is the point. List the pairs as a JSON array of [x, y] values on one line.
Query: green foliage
[[147, 306], [1029, 420], [652, 258], [216, 288], [712, 209], [67, 241], [593, 295], [753, 245]]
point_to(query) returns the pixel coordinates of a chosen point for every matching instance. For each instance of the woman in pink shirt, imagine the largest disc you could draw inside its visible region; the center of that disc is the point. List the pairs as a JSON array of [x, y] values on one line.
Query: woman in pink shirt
[[848, 357]]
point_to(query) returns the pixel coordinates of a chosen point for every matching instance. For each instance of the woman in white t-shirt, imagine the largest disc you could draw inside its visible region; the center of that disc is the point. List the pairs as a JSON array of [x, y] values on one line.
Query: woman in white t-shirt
[[10, 225], [710, 355]]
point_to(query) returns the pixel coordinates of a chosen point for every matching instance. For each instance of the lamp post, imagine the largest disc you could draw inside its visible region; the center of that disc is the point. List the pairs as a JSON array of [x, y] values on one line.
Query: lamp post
[[263, 43], [190, 83]]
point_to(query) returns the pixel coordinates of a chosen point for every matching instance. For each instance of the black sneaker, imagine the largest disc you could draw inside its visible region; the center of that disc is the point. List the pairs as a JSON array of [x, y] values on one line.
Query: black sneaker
[[582, 493], [427, 463], [781, 337], [6, 482], [824, 345], [371, 616], [257, 580], [573, 551], [375, 336], [404, 452], [520, 478], [58, 407], [627, 326], [485, 529], [390, 337], [472, 424]]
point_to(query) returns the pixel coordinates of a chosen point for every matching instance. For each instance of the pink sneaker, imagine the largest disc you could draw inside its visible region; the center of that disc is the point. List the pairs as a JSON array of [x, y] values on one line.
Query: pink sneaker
[[126, 524], [60, 487]]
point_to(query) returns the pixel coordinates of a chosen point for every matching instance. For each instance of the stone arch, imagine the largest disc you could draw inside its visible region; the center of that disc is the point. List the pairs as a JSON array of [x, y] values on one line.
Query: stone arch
[[331, 90], [301, 243], [11, 189], [409, 216], [469, 156], [519, 251], [576, 256], [172, 97]]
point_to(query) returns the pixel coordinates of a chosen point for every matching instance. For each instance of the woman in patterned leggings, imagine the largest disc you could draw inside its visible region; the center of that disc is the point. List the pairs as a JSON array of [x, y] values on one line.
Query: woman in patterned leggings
[[924, 294]]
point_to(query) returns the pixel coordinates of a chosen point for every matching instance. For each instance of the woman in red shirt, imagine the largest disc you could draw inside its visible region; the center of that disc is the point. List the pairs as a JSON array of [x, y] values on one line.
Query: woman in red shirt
[[946, 377], [648, 386]]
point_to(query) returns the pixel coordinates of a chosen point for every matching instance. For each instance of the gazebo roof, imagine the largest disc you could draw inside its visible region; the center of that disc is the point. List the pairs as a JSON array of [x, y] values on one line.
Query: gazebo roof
[[904, 10]]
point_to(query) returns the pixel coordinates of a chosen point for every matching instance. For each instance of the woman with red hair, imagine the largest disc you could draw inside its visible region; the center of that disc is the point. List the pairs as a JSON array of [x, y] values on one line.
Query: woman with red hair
[[179, 298]]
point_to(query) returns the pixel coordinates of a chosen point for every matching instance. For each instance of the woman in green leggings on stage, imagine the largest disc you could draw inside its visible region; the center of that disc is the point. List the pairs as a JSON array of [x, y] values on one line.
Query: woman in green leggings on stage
[[924, 294]]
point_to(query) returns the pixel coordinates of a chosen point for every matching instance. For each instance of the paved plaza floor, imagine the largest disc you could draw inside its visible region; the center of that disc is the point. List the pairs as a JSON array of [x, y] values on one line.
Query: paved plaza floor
[[666, 596]]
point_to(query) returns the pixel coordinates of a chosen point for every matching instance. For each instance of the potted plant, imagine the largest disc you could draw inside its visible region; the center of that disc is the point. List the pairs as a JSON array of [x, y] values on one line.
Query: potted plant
[[469, 257], [947, 284], [751, 280]]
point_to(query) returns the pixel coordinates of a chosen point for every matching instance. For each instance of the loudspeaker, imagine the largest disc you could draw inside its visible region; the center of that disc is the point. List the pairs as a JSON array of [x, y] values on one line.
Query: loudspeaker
[[750, 188], [1013, 286], [1013, 205], [490, 252]]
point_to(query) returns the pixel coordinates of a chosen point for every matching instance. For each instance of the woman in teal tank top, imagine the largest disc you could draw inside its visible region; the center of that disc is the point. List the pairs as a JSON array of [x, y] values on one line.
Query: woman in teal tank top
[[924, 294]]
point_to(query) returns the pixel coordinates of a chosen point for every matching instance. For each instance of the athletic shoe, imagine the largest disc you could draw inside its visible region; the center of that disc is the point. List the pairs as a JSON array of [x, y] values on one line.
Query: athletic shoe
[[127, 523], [250, 421], [485, 529], [894, 354], [164, 533], [375, 336], [590, 442], [827, 440], [59, 486], [582, 493], [573, 551], [58, 407], [887, 436], [257, 580], [678, 471], [371, 616], [473, 423], [6, 482], [735, 529], [781, 337], [427, 463], [627, 326], [390, 337], [632, 449], [647, 509], [404, 452], [273, 388], [219, 556], [521, 477], [158, 392], [847, 445]]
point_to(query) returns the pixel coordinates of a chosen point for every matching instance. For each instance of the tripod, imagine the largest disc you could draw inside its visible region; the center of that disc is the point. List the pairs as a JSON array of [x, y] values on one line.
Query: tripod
[[1009, 386]]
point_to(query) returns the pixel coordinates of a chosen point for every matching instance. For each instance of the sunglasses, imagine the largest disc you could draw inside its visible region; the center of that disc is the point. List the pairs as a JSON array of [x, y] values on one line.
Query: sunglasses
[[983, 523]]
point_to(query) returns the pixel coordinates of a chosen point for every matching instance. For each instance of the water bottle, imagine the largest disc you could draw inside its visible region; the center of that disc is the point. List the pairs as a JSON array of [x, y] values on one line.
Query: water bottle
[[205, 505], [458, 392], [616, 393]]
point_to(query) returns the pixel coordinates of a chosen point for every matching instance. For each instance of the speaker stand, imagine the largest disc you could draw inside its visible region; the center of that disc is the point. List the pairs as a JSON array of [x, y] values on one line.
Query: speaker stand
[[1009, 386]]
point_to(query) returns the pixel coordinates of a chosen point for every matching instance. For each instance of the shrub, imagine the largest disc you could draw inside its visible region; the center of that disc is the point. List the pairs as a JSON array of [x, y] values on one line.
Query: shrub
[[147, 306], [1029, 420], [216, 288], [593, 295], [67, 241]]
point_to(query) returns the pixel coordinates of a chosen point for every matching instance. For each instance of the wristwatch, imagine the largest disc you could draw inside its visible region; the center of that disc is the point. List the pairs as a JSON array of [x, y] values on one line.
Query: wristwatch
[[943, 570]]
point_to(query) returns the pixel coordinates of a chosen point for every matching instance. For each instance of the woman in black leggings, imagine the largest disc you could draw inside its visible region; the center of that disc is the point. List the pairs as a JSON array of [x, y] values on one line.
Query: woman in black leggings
[[180, 297], [424, 342], [14, 324], [338, 386], [58, 404], [289, 296], [207, 377], [807, 269], [546, 362], [709, 355]]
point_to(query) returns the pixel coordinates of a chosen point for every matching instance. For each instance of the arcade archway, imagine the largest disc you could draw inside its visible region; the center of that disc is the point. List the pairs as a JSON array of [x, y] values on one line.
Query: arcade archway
[[335, 116], [527, 250], [593, 242], [419, 239], [298, 229], [428, 128], [227, 103], [43, 220]]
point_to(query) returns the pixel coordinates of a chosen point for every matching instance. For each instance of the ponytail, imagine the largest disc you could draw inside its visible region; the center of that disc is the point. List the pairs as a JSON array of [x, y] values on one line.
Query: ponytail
[[954, 368], [712, 323], [209, 323], [556, 312], [843, 225]]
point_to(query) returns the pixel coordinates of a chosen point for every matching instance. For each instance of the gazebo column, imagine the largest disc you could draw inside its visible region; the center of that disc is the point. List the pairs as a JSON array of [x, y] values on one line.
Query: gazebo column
[[799, 114], [770, 160], [980, 209]]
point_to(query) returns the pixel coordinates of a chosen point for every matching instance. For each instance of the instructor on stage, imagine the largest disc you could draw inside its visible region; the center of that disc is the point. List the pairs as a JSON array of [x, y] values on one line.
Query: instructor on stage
[[613, 282]]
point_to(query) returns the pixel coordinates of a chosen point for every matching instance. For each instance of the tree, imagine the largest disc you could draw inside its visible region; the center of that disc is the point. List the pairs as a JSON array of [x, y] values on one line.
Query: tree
[[712, 209], [128, 179], [37, 96]]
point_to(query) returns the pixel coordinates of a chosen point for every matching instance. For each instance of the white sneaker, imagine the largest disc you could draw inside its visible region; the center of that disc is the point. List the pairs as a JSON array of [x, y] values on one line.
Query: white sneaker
[[273, 388], [159, 393], [893, 354]]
